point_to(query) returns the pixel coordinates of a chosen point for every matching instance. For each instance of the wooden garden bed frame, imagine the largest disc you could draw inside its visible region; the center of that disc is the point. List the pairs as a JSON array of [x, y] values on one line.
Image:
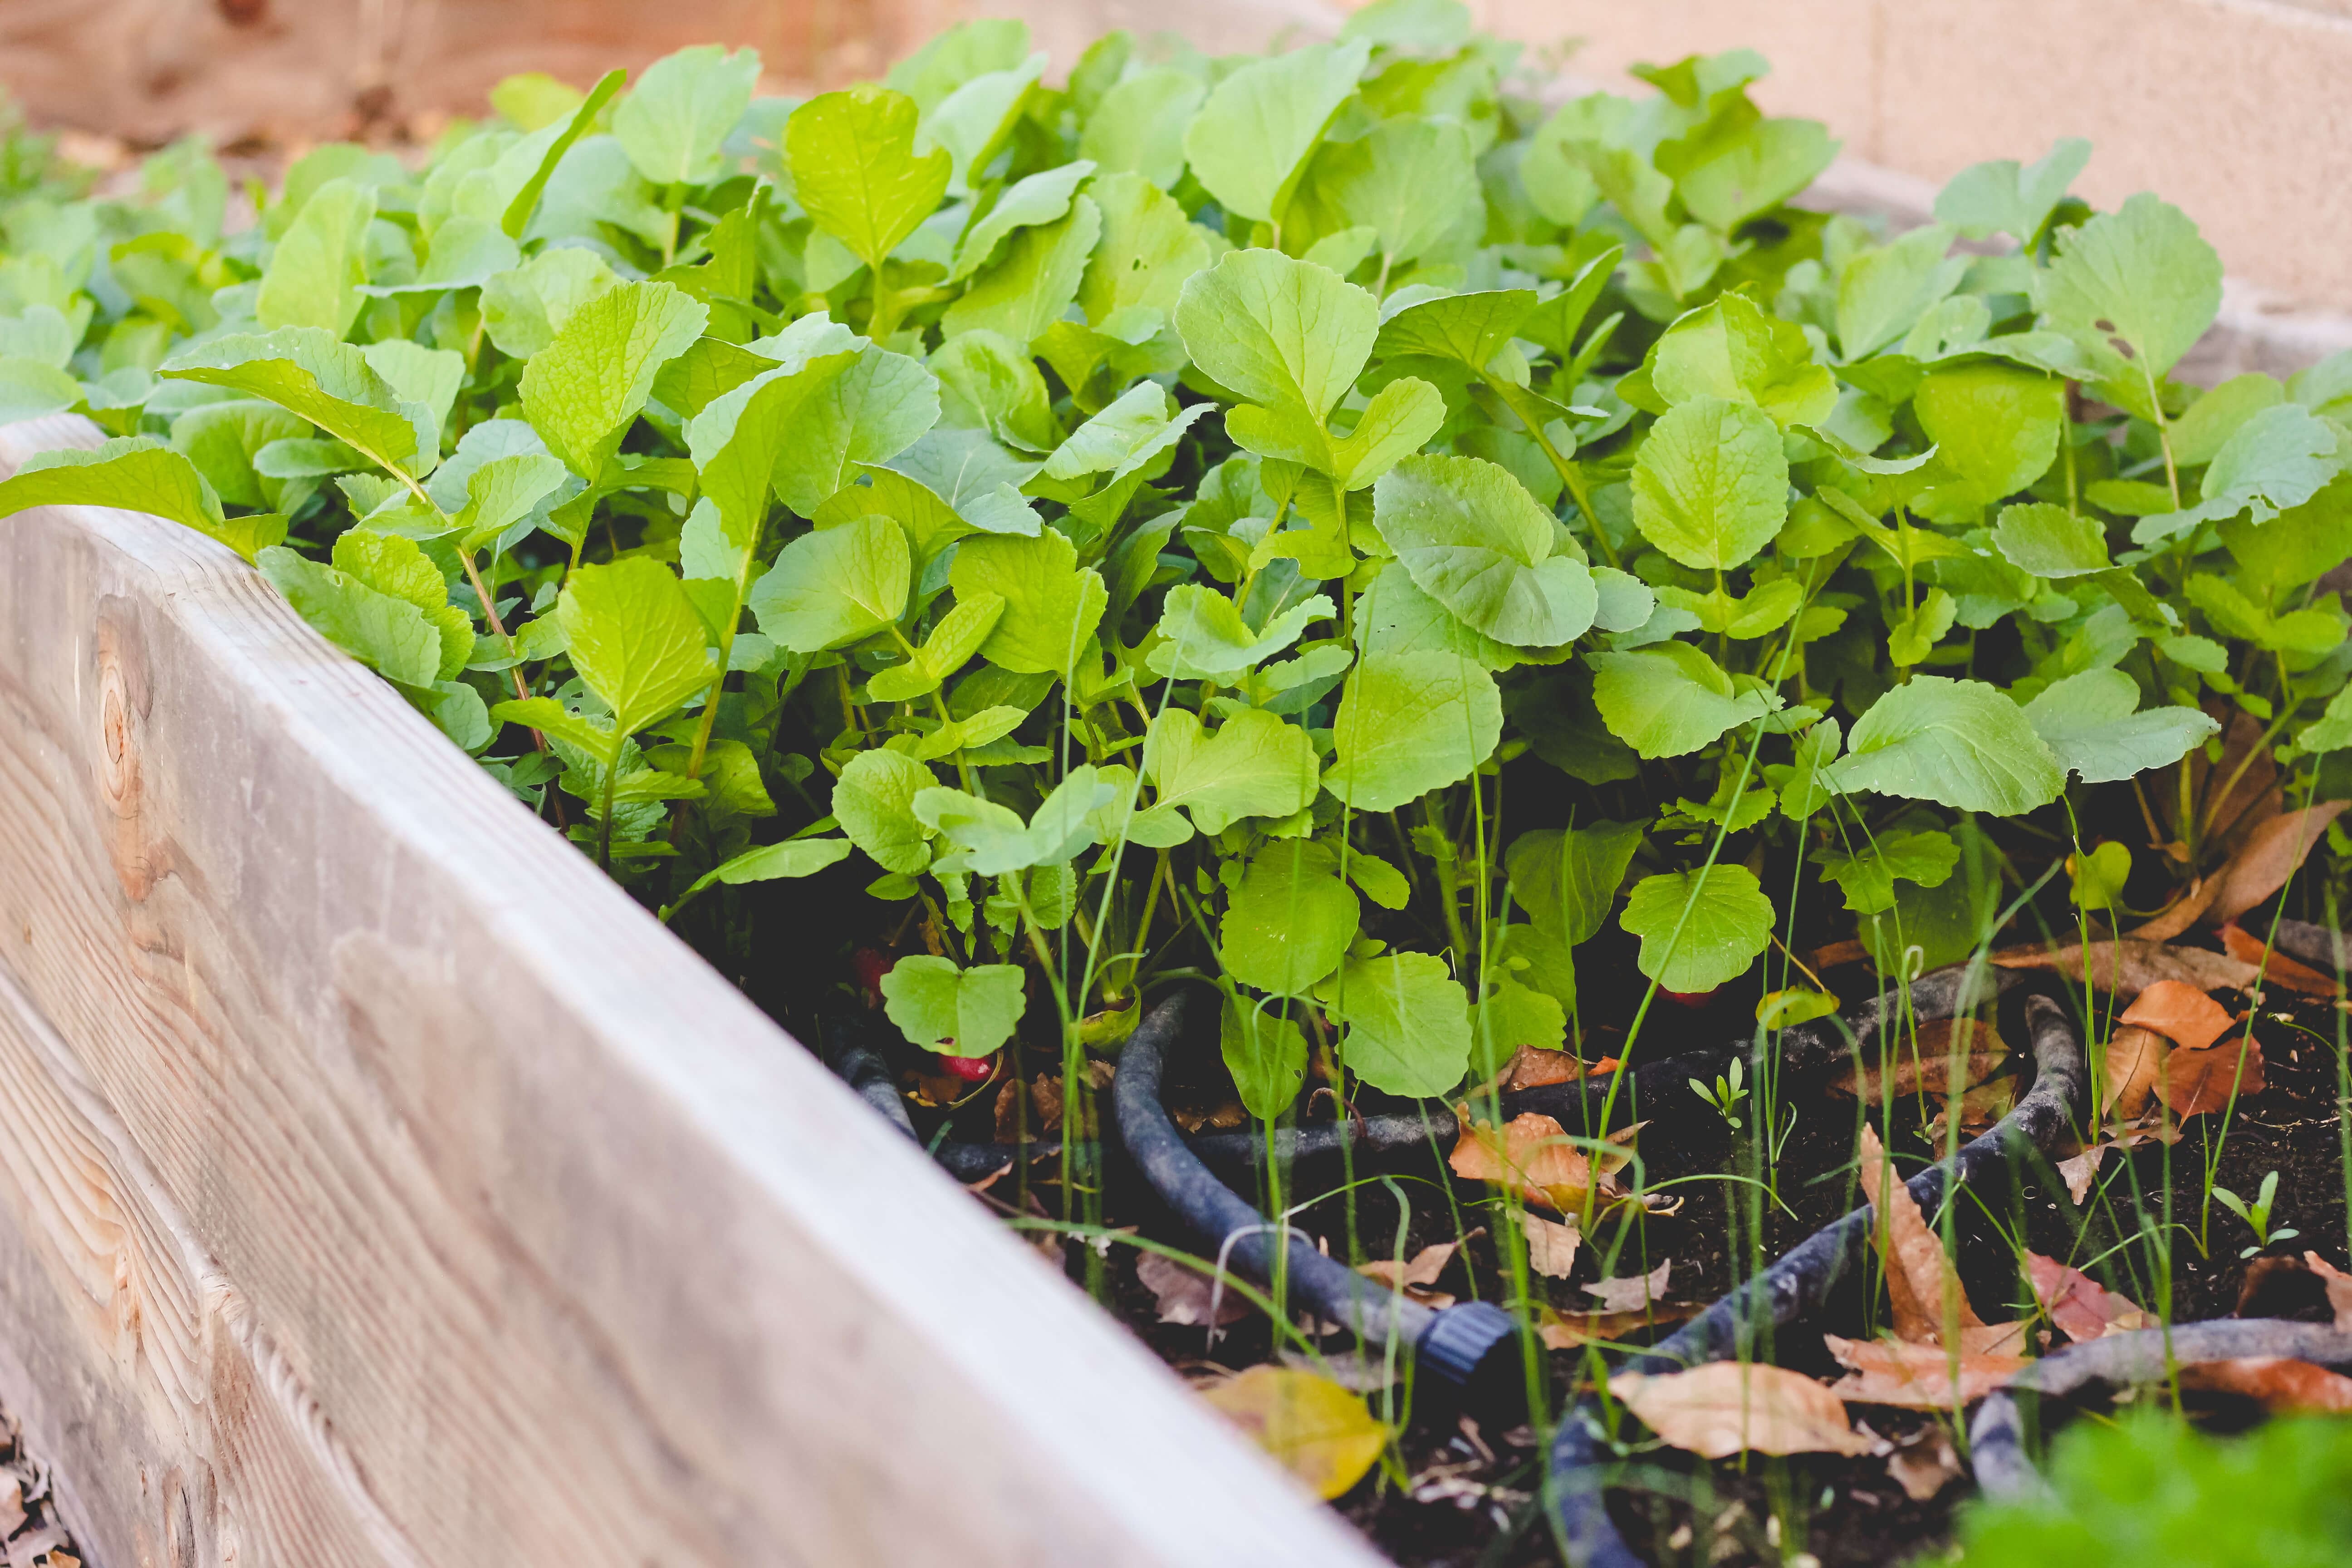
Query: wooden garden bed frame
[[380, 1185]]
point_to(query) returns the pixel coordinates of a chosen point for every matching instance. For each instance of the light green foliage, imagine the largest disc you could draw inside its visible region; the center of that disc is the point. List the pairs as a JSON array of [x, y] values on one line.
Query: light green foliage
[[956, 1012], [582, 392], [1294, 521], [855, 168], [1407, 1022], [1475, 541], [1698, 929], [1960, 743], [1290, 922]]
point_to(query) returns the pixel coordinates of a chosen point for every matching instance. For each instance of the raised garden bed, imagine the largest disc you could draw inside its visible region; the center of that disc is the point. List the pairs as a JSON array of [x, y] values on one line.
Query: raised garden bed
[[1339, 643]]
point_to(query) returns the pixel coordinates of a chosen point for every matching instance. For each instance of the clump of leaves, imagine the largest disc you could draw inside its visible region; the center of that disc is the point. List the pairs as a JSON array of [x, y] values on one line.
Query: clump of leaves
[[1321, 522]]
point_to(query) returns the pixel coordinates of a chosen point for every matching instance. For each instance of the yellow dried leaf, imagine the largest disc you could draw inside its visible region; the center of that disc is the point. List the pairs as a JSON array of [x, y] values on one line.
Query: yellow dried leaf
[[1313, 1428]]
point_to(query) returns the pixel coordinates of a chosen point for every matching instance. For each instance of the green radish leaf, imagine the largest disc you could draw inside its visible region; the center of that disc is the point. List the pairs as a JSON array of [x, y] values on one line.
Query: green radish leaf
[[1249, 144], [868, 412], [1255, 765], [1868, 874], [387, 633], [2002, 197], [388, 564], [1408, 723], [1034, 279], [973, 121], [742, 436], [1043, 197], [317, 271], [1413, 182], [1470, 329], [1995, 430], [1407, 1023], [1282, 333], [1882, 292], [1138, 126], [1204, 638], [1732, 350], [1290, 922], [429, 378], [1960, 743], [2049, 541], [586, 388], [2134, 289], [1566, 879], [1378, 881], [2199, 434], [306, 372], [1147, 254], [1515, 1015], [2089, 723], [1265, 1053], [1670, 698], [137, 473], [855, 168], [577, 122], [1473, 539], [956, 1012], [993, 841], [1052, 605], [1710, 485], [524, 307], [2278, 459], [834, 587], [773, 862], [503, 491], [674, 121], [875, 801], [1698, 929], [636, 641]]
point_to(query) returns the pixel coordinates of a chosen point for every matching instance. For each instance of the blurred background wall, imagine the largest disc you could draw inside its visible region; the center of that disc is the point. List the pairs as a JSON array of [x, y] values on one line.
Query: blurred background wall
[[2241, 111]]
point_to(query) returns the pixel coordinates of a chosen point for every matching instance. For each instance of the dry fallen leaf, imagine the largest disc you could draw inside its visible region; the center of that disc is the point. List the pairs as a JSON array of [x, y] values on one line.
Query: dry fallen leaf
[[1927, 1067], [1633, 1293], [2126, 968], [1719, 1409], [2255, 798], [1923, 1292], [1532, 1152], [1918, 1377], [2133, 1065], [1980, 1108], [2181, 1013], [2181, 915], [1569, 1330], [2268, 857], [1924, 1463], [1551, 1246], [1415, 1276], [2284, 1386], [2239, 943], [1314, 1428], [2340, 1288], [1533, 1067], [2078, 1304], [2081, 1169], [2198, 1083], [1184, 1292]]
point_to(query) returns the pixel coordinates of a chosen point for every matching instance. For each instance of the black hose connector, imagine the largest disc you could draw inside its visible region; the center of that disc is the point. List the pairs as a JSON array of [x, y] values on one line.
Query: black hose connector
[[1474, 1351]]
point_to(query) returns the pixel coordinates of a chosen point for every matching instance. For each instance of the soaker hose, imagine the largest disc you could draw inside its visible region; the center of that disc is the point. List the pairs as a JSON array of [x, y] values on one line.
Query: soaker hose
[[1471, 1349], [1801, 1282]]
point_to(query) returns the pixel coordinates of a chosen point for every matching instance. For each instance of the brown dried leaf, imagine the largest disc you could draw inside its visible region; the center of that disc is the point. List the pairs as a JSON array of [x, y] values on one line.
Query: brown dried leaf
[[1980, 1108], [1415, 1276], [2181, 914], [2340, 1288], [1924, 1463], [1568, 1330], [2269, 854], [2239, 943], [2078, 1304], [2181, 1013], [1532, 1067], [1927, 1070], [1633, 1293], [1551, 1246], [1531, 1152], [2134, 1066], [2253, 800], [2284, 1386], [2081, 1169], [1922, 1289], [1916, 1376], [2127, 968], [2198, 1083], [1725, 1407], [1183, 1293]]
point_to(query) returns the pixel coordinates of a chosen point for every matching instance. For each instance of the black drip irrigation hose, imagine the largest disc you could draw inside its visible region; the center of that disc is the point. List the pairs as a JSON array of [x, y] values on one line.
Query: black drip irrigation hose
[[1801, 1282], [1996, 1438], [1471, 1349], [1586, 1106]]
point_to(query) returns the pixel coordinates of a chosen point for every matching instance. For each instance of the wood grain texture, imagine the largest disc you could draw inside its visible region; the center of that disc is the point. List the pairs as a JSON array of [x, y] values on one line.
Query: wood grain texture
[[380, 1185]]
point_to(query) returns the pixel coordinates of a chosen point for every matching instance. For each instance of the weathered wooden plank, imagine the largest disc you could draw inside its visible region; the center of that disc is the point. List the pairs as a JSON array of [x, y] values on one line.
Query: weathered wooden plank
[[460, 1215]]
